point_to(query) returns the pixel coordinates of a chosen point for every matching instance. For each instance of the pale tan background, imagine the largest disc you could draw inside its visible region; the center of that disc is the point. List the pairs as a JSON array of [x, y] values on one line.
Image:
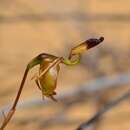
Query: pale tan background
[[28, 28]]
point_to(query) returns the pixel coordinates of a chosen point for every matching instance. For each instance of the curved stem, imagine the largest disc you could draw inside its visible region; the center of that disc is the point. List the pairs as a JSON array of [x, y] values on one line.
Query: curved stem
[[72, 62], [21, 88], [12, 110], [37, 60]]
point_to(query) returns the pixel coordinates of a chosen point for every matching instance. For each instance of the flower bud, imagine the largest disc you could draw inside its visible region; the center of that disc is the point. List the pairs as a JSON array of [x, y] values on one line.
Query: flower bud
[[90, 43]]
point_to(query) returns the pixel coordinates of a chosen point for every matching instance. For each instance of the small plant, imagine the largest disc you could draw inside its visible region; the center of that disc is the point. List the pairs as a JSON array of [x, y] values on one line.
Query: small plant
[[46, 78]]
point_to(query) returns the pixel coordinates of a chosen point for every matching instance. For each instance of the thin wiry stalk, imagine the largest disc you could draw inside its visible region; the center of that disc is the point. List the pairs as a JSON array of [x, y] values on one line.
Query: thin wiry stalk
[[99, 84], [90, 43], [13, 108]]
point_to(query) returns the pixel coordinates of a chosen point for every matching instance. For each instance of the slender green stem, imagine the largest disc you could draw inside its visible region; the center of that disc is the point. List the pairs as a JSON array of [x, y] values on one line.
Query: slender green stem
[[11, 112], [70, 62]]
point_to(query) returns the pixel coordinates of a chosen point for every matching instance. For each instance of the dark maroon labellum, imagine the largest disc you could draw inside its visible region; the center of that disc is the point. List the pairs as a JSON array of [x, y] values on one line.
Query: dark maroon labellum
[[93, 42]]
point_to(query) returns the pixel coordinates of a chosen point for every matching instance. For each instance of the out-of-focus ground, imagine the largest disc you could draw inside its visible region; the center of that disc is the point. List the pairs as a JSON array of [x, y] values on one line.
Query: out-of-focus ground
[[28, 28]]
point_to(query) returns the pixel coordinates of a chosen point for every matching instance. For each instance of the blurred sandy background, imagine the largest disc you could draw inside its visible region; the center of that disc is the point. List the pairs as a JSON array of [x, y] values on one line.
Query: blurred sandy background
[[28, 28]]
